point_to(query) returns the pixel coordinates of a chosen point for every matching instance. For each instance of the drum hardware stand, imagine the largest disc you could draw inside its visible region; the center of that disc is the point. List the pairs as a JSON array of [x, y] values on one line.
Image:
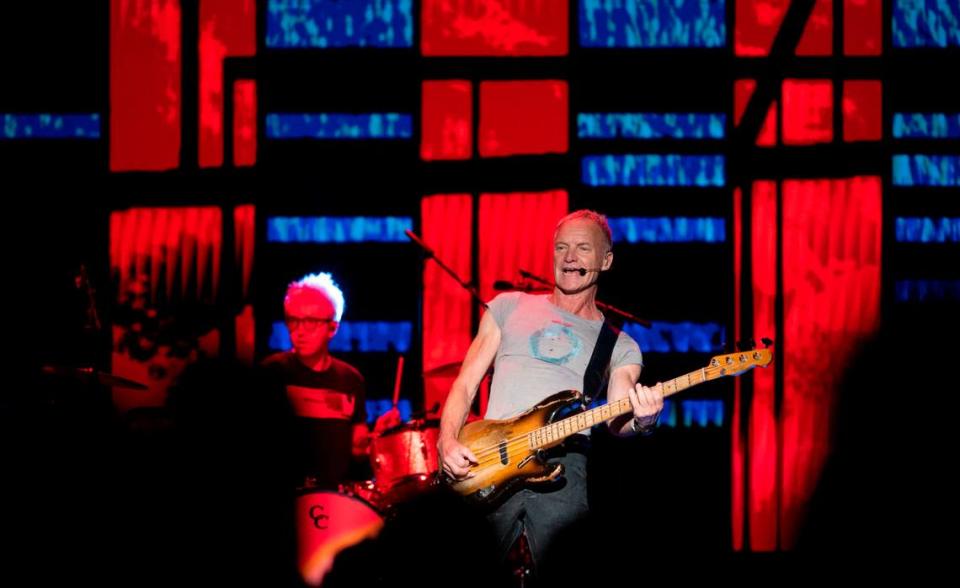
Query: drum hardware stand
[[521, 561]]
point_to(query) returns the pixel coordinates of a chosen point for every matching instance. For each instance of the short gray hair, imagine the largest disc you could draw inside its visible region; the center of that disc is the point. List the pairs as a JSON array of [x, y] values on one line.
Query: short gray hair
[[321, 283], [593, 216]]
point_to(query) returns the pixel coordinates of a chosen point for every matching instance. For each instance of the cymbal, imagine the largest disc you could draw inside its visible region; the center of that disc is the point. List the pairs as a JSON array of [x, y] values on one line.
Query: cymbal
[[87, 374], [447, 369]]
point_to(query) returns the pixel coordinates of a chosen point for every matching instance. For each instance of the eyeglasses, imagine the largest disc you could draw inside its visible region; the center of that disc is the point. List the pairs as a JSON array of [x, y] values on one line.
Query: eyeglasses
[[308, 323]]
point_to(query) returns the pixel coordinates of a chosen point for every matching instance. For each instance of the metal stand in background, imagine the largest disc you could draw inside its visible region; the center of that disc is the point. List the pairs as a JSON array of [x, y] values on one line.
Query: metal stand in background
[[520, 561], [431, 255], [89, 374]]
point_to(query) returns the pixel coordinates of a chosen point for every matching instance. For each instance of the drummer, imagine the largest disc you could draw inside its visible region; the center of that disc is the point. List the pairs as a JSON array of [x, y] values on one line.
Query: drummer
[[327, 395]]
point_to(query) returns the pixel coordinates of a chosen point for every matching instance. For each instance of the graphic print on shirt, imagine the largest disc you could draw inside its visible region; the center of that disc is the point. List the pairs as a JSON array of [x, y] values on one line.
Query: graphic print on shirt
[[556, 343]]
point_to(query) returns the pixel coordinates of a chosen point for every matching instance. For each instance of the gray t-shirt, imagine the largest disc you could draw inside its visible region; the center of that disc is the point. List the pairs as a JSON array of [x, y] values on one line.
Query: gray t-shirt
[[543, 350]]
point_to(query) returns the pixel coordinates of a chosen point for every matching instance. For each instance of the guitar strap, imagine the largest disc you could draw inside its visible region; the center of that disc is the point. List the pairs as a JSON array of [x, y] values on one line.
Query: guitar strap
[[598, 370]]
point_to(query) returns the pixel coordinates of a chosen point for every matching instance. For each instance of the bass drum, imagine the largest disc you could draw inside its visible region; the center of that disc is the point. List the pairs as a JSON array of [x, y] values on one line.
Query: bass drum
[[327, 522]]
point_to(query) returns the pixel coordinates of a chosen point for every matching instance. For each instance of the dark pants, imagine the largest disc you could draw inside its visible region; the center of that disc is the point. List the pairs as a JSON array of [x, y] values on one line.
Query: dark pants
[[543, 511]]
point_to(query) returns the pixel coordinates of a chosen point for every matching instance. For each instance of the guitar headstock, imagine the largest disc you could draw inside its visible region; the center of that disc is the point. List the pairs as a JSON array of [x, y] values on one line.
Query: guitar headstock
[[733, 364]]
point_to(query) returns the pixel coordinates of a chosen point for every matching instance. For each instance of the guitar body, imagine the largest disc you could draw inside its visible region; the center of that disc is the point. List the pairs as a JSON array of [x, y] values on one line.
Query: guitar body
[[506, 459]]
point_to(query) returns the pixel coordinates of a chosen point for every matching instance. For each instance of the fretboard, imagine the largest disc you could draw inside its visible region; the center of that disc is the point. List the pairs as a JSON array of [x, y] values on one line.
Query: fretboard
[[560, 430]]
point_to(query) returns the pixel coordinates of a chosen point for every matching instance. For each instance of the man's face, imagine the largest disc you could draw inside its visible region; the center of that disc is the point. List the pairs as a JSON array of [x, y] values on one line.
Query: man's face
[[579, 244], [310, 319]]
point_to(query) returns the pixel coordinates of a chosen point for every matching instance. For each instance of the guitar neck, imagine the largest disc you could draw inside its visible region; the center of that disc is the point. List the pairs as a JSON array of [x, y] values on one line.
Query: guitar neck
[[555, 432]]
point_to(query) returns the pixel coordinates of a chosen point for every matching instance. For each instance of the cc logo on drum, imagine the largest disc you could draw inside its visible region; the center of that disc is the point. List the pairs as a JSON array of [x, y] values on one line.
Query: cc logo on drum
[[319, 518]]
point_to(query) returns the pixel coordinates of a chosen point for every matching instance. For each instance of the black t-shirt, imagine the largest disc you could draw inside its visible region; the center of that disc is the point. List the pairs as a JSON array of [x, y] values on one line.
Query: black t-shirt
[[326, 405]]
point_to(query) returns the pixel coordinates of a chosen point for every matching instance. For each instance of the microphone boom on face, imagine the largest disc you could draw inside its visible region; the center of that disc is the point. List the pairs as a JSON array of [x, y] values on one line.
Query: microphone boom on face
[[582, 271]]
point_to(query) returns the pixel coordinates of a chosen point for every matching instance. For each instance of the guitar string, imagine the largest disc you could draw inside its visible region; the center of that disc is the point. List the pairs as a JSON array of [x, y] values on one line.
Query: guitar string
[[494, 449], [492, 453]]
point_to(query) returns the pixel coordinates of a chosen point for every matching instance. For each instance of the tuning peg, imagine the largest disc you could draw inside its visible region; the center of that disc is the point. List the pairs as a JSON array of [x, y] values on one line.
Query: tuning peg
[[766, 341]]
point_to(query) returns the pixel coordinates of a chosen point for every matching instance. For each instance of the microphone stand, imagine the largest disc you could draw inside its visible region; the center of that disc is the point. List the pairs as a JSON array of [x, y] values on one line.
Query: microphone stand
[[601, 305], [92, 322], [431, 255]]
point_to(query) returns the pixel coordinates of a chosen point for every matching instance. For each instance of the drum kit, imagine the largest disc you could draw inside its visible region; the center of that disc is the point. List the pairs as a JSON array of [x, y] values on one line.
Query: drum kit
[[404, 457], [404, 460]]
